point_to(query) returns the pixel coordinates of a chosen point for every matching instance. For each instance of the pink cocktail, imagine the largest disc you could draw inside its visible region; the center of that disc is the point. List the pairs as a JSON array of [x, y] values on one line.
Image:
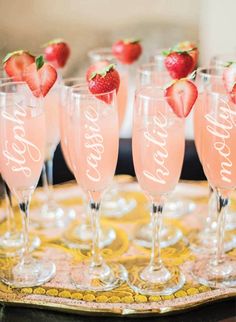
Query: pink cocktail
[[51, 107], [95, 140], [22, 146], [215, 124], [158, 149]]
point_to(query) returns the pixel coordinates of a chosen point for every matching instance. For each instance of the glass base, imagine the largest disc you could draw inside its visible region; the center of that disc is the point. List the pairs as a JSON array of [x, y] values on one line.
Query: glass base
[[166, 281], [221, 276], [117, 206], [80, 236], [11, 244], [29, 274], [104, 278], [51, 216], [169, 236], [178, 208], [204, 242], [230, 220]]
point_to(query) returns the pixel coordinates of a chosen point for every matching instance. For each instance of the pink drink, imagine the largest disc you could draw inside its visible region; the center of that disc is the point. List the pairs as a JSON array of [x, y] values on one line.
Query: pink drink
[[198, 123], [216, 119], [22, 144], [65, 130], [51, 107], [95, 144], [158, 149], [122, 96]]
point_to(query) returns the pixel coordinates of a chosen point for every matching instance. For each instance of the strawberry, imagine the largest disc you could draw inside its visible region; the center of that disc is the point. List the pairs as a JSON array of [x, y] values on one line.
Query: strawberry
[[127, 51], [229, 76], [191, 48], [14, 63], [233, 94], [40, 77], [181, 96], [96, 67], [178, 63], [57, 52], [104, 81]]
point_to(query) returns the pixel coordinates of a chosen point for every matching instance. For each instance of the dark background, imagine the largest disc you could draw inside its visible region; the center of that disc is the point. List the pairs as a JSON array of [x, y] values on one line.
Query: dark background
[[192, 169]]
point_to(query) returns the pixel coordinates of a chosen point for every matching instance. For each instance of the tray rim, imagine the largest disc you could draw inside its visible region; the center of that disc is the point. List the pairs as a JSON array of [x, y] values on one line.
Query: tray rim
[[84, 310]]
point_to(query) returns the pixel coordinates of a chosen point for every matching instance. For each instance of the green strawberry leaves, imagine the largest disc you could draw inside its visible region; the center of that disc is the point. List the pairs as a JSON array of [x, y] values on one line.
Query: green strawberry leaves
[[102, 72], [39, 61]]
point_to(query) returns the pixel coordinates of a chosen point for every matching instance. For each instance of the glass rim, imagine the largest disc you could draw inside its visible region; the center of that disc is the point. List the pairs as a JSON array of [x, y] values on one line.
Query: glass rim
[[141, 68], [10, 83], [150, 97], [200, 71], [223, 55], [72, 79], [88, 93], [99, 51]]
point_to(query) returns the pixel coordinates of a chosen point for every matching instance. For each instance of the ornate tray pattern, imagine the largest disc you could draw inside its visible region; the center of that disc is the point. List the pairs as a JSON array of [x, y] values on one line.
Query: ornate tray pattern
[[60, 293]]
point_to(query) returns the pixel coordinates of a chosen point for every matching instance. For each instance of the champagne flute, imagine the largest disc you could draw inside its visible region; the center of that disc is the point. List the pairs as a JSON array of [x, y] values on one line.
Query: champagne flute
[[217, 115], [79, 233], [205, 241], [223, 60], [22, 144], [116, 205], [154, 74], [174, 207], [12, 240], [158, 151], [51, 214], [94, 124]]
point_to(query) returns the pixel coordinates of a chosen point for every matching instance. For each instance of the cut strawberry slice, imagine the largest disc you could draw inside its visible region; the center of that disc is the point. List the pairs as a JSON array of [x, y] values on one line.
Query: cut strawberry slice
[[40, 77], [181, 96], [229, 77], [15, 63], [96, 67]]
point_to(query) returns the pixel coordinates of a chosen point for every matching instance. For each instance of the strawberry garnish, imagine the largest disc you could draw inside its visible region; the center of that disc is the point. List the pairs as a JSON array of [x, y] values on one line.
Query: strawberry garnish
[[96, 67], [104, 81], [15, 63], [233, 94], [178, 63], [181, 96], [127, 51], [57, 52], [40, 77], [229, 76], [191, 48]]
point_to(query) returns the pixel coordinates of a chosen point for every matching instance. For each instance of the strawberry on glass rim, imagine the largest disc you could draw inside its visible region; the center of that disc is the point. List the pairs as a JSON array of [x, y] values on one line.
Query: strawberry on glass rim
[[229, 76], [96, 67], [181, 96], [192, 50], [40, 77], [104, 81], [179, 63], [15, 63], [127, 51], [229, 80], [57, 52]]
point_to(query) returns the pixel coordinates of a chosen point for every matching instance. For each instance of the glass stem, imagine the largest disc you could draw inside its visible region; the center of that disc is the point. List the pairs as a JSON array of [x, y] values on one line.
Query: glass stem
[[48, 178], [222, 204], [156, 220], [10, 218], [96, 260], [211, 215], [24, 207]]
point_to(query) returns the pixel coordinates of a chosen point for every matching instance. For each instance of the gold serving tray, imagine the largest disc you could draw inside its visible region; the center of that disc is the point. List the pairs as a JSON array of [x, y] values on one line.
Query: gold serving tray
[[61, 295]]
